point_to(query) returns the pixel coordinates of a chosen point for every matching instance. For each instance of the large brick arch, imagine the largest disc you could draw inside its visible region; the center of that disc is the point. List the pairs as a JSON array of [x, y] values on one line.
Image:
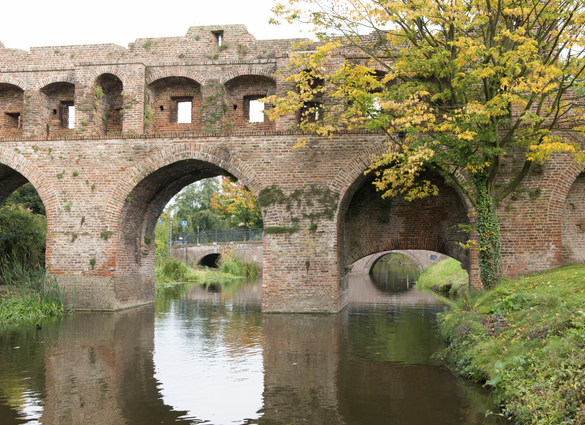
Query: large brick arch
[[561, 187], [160, 74], [25, 170], [212, 153], [145, 189], [428, 224], [566, 205]]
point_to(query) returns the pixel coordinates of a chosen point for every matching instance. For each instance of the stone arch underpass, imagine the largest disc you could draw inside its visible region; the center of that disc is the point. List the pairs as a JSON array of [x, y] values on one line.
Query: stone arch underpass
[[421, 258], [372, 225], [208, 255]]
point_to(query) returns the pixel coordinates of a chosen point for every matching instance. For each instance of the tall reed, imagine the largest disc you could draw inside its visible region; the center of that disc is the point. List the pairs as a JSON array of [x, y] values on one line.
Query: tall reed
[[230, 262], [31, 293]]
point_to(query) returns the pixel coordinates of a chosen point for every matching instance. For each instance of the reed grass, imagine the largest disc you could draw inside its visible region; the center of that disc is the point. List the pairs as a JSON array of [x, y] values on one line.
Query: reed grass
[[31, 293], [231, 263]]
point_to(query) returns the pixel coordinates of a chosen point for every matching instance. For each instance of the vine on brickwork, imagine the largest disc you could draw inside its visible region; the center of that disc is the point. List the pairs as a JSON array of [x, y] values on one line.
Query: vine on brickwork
[[325, 198], [106, 234], [214, 109], [489, 234]]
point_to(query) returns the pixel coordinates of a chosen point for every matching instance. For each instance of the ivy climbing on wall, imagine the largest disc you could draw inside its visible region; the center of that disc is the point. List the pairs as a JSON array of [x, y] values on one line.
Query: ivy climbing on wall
[[311, 203], [214, 109]]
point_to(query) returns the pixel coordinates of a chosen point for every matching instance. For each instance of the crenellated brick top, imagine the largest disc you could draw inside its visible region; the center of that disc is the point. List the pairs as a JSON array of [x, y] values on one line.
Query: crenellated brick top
[[214, 74], [200, 44]]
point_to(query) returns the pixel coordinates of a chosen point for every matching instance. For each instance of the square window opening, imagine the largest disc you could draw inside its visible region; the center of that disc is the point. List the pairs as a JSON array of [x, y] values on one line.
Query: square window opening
[[256, 111], [184, 111], [13, 120], [218, 37]]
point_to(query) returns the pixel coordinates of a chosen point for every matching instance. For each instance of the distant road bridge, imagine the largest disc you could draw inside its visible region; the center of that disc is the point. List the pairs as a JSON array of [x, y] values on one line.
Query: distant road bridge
[[421, 258], [209, 254]]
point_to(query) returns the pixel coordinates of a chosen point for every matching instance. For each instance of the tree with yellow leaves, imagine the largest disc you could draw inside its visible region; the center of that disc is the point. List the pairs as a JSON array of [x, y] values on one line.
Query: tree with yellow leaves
[[237, 204], [456, 85]]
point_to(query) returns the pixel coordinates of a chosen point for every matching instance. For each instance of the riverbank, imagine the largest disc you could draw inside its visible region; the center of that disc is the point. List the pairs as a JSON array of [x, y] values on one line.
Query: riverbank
[[171, 271], [445, 277], [526, 340]]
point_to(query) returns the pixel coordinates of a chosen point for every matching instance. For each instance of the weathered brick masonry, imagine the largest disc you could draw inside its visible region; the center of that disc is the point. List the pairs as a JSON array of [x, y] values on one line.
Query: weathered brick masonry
[[105, 181]]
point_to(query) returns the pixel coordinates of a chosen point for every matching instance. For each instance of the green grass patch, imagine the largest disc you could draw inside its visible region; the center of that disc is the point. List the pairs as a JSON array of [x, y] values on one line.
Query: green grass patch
[[526, 340], [231, 263], [445, 277], [31, 294], [170, 272]]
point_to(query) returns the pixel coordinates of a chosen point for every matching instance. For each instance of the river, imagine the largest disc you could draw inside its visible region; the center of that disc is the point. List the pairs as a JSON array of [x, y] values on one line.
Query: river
[[206, 354]]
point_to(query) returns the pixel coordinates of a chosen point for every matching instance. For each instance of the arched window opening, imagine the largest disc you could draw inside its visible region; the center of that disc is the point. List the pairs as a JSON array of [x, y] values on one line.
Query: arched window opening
[[108, 97], [243, 93], [175, 104], [59, 99], [11, 109]]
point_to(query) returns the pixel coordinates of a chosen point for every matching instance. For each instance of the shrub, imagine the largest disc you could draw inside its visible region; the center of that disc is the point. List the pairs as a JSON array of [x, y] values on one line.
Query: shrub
[[231, 263], [22, 236]]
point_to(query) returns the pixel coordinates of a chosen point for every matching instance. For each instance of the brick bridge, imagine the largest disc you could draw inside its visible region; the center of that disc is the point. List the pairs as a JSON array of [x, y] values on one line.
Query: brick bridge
[[207, 255], [106, 175]]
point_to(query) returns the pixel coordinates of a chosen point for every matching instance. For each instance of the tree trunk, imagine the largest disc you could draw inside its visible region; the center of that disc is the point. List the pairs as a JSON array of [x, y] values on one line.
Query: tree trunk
[[488, 228]]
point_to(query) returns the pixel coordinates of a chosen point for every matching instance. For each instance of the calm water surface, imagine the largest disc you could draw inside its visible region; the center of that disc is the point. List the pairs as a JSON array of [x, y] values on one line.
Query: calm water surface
[[206, 355]]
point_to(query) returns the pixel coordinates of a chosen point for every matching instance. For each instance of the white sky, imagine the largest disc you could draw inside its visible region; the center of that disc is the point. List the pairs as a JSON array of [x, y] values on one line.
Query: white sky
[[36, 23]]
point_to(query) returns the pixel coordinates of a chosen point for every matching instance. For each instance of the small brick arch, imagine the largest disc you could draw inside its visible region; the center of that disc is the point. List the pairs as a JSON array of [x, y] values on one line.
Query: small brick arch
[[411, 243], [109, 70], [59, 78], [373, 259], [209, 254], [248, 71], [158, 75], [18, 82]]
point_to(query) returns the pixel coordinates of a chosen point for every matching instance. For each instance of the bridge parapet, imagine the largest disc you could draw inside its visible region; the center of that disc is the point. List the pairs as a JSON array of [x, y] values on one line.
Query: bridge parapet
[[217, 71]]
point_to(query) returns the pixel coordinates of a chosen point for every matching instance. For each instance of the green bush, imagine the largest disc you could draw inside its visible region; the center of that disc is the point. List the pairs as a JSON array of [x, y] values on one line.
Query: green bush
[[231, 263], [22, 236], [172, 270], [31, 293]]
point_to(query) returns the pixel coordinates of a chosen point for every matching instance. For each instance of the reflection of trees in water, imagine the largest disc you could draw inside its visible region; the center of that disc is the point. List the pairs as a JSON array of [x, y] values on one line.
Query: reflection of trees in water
[[225, 289], [394, 277], [399, 333], [22, 368]]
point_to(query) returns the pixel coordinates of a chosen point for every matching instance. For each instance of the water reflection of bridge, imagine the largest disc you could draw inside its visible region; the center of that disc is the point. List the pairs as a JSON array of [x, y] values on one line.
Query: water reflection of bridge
[[100, 368]]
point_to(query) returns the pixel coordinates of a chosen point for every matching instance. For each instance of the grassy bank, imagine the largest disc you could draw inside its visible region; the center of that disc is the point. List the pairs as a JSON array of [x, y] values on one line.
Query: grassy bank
[[445, 277], [170, 271], [232, 264], [29, 294], [526, 340]]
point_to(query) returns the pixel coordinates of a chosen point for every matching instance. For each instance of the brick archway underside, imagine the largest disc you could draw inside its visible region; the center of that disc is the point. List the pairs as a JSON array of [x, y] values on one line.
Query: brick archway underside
[[373, 224], [384, 245]]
